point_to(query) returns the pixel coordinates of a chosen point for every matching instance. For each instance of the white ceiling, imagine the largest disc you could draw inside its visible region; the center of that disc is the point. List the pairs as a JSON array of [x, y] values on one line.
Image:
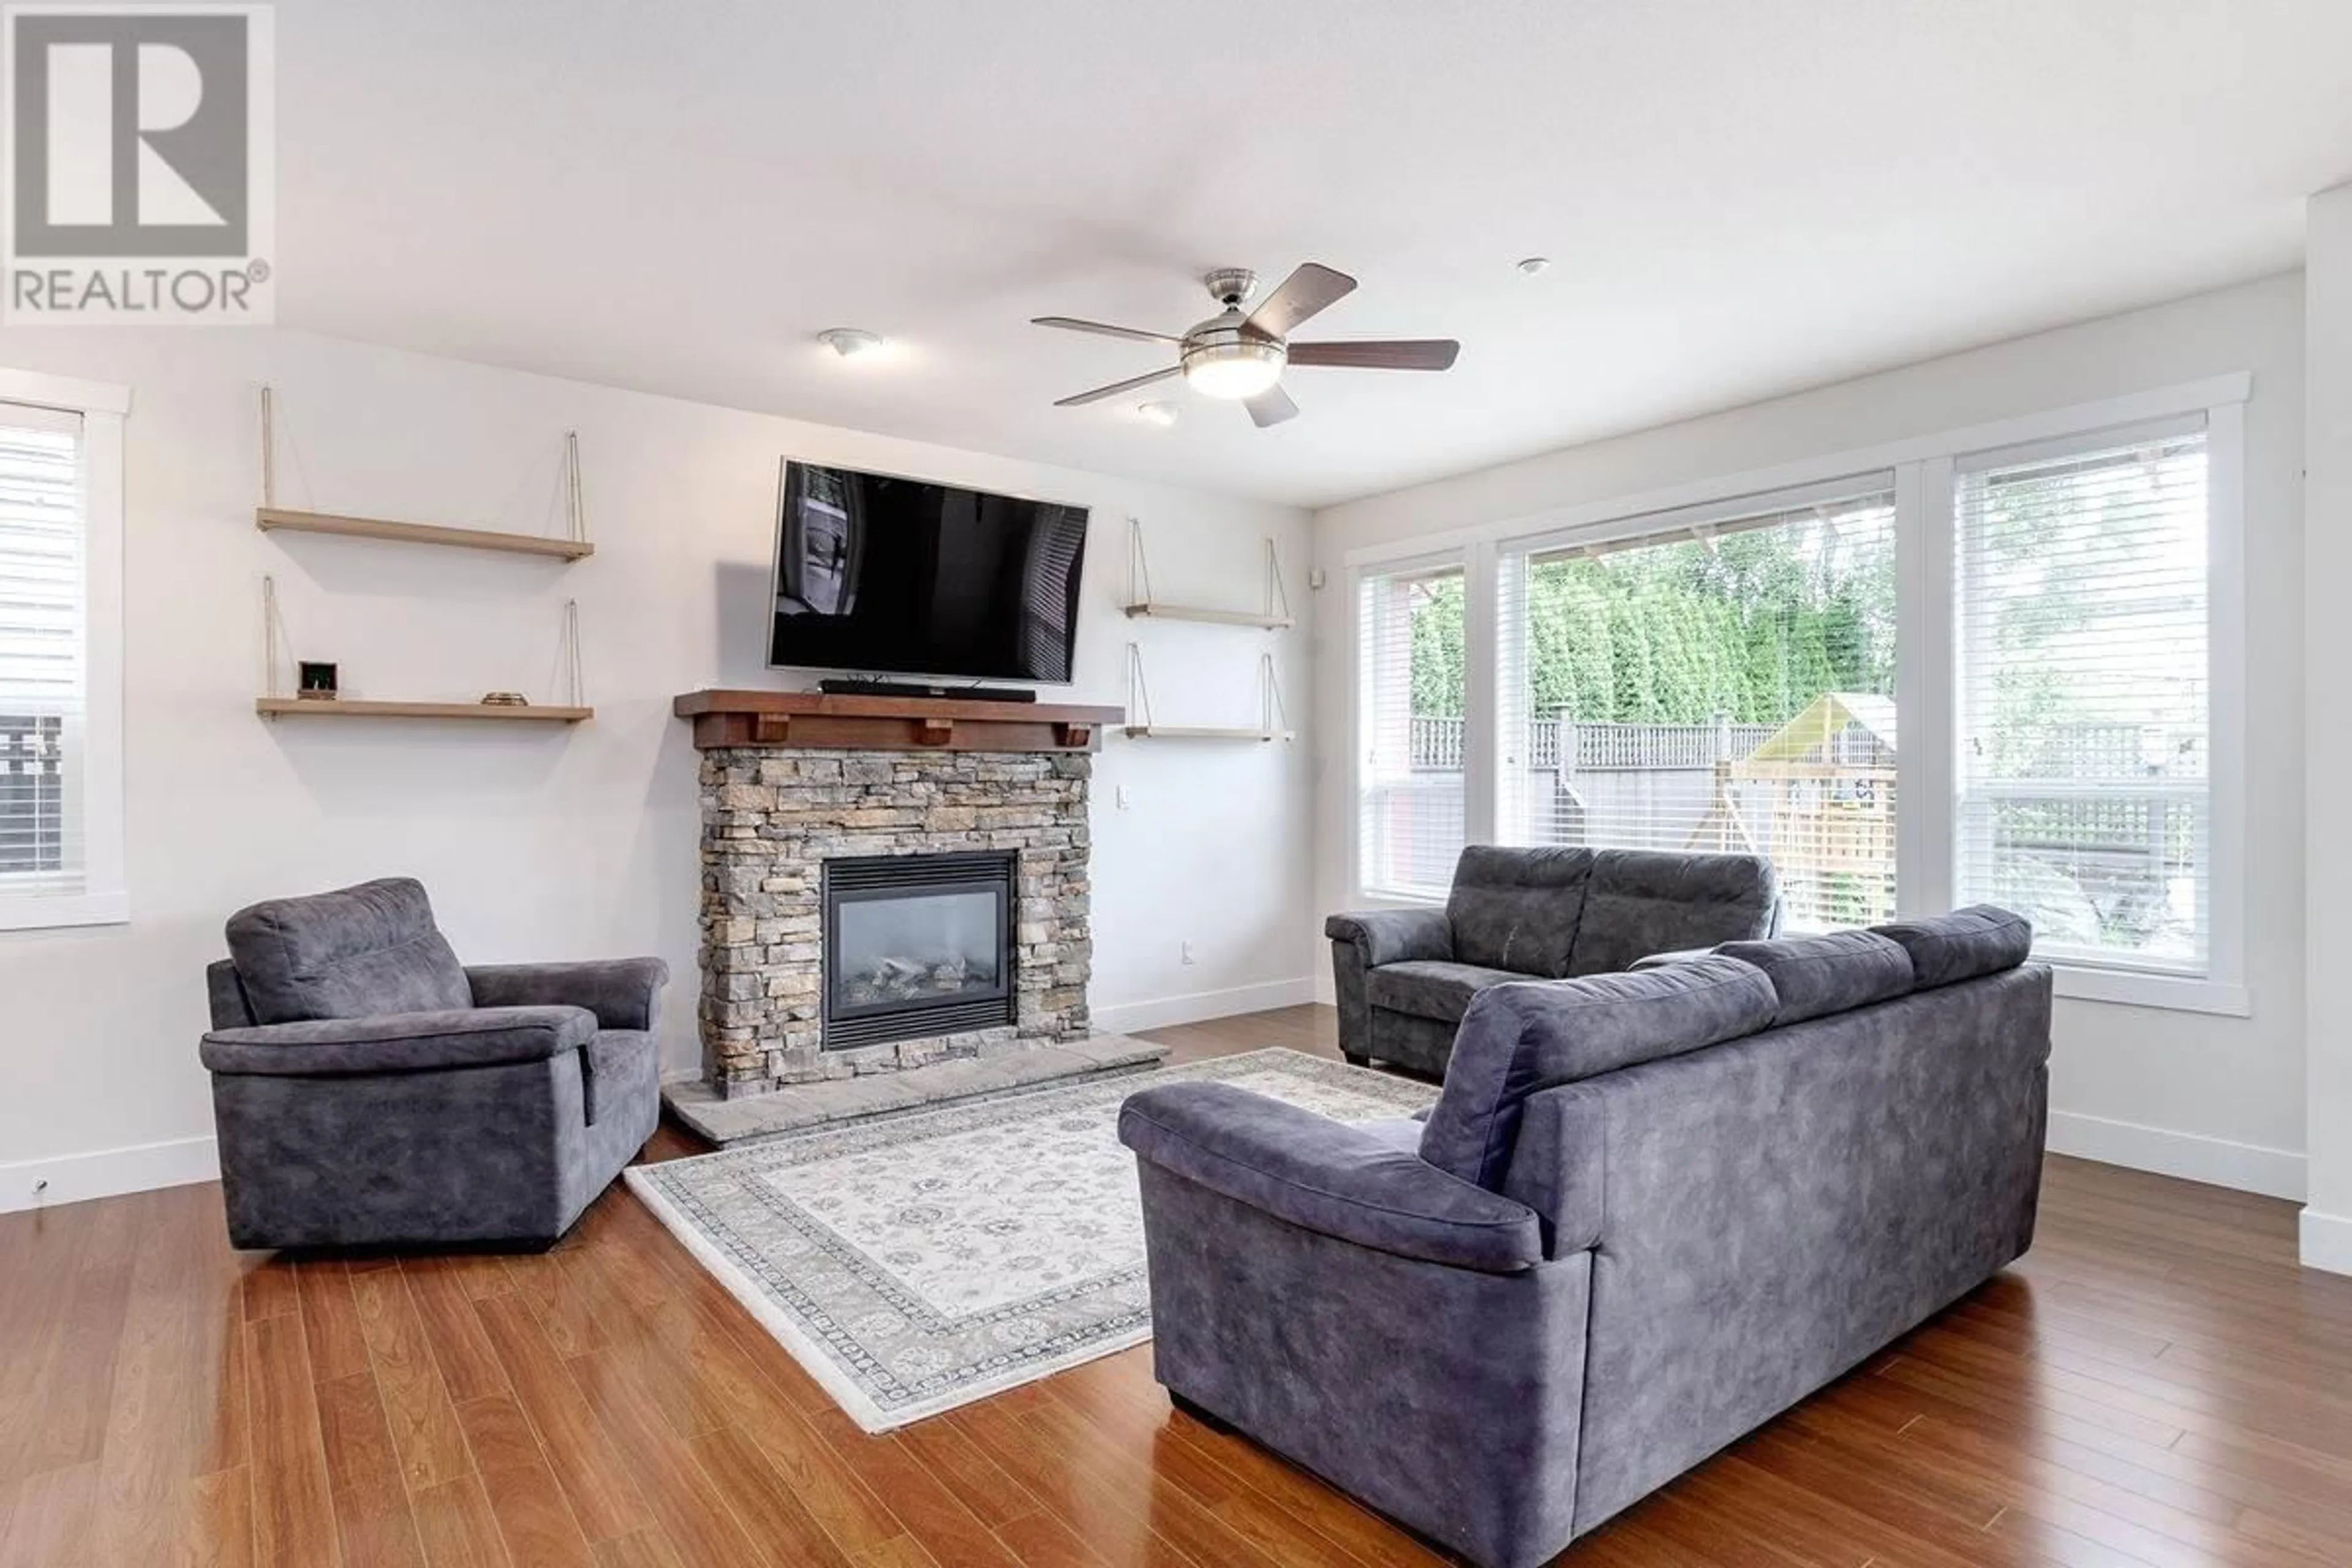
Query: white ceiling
[[1740, 198]]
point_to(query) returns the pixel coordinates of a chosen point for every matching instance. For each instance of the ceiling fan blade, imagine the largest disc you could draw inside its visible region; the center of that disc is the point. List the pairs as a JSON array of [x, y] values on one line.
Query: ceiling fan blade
[[1271, 406], [1403, 353], [1312, 287], [1102, 328], [1116, 387]]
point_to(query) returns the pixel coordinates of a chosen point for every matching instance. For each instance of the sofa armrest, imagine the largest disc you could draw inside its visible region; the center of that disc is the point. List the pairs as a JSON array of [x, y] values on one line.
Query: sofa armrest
[[1327, 1177], [624, 992], [399, 1042], [1392, 936]]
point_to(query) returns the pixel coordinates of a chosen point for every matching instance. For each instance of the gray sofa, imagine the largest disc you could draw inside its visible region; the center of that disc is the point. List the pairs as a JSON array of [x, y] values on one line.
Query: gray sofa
[[369, 1090], [1405, 977], [1648, 1211]]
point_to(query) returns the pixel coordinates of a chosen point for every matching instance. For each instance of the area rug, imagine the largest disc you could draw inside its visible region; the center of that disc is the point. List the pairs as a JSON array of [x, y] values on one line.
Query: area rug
[[922, 1261]]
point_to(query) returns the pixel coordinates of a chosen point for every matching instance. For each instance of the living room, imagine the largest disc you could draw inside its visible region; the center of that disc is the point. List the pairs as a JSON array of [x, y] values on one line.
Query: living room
[[1369, 977]]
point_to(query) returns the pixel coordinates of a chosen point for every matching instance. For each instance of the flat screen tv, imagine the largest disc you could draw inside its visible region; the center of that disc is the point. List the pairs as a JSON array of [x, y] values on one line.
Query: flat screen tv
[[876, 573]]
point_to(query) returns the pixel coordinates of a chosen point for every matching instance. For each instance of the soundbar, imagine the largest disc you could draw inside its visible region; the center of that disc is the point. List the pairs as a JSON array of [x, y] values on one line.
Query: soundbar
[[844, 686]]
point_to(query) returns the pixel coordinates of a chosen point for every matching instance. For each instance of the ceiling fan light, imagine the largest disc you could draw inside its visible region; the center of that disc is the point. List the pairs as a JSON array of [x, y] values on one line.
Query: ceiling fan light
[[1232, 369]]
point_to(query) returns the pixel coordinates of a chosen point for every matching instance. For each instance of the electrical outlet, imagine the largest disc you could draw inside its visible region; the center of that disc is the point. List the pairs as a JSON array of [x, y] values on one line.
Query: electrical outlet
[[1120, 799], [1188, 953]]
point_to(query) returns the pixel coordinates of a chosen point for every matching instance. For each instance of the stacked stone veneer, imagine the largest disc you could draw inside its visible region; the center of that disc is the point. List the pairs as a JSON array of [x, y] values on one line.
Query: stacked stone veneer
[[772, 817]]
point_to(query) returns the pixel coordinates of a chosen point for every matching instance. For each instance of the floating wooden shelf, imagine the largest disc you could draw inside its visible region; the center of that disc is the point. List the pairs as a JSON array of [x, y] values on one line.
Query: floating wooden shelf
[[1273, 623], [270, 518], [1201, 732], [350, 708]]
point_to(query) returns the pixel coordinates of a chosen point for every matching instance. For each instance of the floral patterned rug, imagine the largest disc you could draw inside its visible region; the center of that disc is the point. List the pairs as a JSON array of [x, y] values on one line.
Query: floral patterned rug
[[919, 1262]]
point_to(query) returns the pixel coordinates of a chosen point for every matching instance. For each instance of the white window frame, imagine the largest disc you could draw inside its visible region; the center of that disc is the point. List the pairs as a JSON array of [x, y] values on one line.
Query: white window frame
[[1685, 522], [1927, 649], [105, 897], [1475, 735], [2219, 987]]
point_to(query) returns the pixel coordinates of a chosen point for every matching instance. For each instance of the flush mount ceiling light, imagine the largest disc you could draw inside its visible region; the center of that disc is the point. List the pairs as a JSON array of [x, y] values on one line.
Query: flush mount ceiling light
[[1161, 414], [852, 343], [1534, 264]]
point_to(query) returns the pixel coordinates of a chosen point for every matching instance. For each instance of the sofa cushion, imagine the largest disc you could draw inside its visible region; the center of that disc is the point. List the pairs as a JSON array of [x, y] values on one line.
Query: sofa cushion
[[1427, 988], [614, 1062], [1643, 901], [1833, 973], [1983, 939], [1519, 1040], [1518, 908], [355, 953], [225, 993]]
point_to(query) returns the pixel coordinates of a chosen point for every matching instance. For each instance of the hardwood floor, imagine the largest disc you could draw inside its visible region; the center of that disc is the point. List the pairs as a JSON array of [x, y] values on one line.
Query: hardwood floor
[[2157, 1384]]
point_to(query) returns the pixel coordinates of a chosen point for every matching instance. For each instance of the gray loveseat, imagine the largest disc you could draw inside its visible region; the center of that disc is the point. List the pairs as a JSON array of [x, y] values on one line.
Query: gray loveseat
[[1648, 1211], [1406, 976], [369, 1090]]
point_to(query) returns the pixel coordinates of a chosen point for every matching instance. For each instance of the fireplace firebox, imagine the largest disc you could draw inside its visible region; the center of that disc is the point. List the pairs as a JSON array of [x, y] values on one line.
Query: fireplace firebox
[[917, 945]]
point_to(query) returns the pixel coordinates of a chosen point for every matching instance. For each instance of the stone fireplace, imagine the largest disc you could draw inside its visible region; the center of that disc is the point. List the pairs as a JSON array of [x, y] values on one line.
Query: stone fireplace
[[888, 883]]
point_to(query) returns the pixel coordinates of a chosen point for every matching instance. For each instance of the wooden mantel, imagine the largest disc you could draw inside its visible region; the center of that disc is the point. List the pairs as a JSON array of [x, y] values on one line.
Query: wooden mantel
[[890, 723]]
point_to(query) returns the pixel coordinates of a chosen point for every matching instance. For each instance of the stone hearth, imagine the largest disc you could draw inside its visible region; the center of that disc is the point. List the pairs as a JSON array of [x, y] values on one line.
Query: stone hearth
[[773, 815]]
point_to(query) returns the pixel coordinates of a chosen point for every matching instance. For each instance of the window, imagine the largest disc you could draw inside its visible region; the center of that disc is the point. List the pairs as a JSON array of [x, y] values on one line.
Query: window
[[2055, 603], [41, 669], [61, 721], [1722, 680], [2085, 696], [1411, 726]]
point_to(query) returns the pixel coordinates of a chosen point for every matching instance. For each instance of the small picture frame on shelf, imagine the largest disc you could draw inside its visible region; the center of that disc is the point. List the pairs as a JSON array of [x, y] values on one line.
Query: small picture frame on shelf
[[315, 680]]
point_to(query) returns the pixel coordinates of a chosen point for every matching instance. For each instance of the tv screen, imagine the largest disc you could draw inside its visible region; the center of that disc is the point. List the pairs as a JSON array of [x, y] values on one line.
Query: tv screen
[[878, 573]]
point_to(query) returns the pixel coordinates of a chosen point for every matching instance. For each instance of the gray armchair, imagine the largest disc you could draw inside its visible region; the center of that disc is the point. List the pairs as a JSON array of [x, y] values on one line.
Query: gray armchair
[[369, 1090], [1406, 976]]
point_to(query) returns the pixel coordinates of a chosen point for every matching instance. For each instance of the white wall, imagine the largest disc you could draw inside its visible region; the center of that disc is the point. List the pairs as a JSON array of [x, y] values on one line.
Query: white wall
[[562, 843], [2216, 1098], [2327, 1223]]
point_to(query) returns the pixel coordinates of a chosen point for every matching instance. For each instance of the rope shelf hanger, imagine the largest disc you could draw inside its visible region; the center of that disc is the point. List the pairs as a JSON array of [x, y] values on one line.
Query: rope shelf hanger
[[1140, 604], [276, 704], [1274, 720], [572, 544]]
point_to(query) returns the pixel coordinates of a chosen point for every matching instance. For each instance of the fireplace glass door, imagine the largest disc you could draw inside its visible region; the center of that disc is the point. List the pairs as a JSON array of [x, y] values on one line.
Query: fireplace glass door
[[915, 946]]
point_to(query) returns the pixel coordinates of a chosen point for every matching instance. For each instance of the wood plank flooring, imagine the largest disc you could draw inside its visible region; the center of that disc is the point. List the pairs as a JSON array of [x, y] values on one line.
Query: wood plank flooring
[[2158, 1384]]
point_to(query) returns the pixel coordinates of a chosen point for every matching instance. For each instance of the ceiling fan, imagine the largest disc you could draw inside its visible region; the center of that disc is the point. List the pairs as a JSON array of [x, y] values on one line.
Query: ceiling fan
[[1241, 357]]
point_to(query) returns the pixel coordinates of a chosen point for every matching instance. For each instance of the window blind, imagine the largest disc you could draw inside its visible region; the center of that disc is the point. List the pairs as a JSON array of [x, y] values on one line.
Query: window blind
[[1411, 689], [2084, 756], [43, 674], [1724, 682]]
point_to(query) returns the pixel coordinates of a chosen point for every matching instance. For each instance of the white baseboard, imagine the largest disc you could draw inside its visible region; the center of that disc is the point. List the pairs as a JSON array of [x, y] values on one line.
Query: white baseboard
[[108, 1173], [2248, 1167], [1167, 1011], [2327, 1241]]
